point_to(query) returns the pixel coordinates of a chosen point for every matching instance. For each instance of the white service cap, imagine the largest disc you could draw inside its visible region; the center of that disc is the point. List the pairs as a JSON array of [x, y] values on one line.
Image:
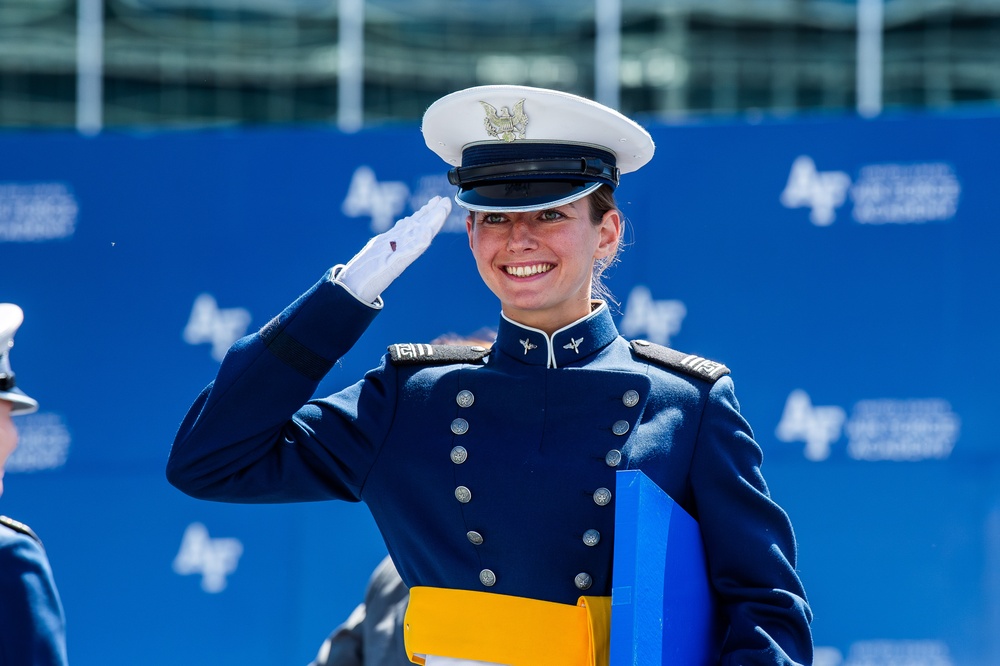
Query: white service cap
[[517, 148], [11, 317]]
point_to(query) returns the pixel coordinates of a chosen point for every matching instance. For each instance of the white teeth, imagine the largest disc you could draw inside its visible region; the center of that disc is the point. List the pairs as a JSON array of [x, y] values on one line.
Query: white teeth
[[525, 271]]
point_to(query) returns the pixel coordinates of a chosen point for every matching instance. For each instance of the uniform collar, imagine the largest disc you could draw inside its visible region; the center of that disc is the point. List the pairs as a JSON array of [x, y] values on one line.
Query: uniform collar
[[566, 346]]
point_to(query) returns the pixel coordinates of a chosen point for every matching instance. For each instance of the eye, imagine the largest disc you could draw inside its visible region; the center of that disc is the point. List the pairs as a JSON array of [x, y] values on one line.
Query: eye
[[493, 218], [550, 215]]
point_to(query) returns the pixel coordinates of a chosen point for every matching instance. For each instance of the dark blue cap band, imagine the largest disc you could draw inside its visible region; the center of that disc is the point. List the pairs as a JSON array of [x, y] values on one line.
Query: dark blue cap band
[[493, 153], [586, 170]]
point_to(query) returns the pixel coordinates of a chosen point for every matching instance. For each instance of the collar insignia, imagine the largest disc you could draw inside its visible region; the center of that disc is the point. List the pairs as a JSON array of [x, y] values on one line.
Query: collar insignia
[[526, 343], [504, 125], [574, 344]]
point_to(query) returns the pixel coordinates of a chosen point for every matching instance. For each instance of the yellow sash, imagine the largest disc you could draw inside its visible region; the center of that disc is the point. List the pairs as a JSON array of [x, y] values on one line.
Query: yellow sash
[[506, 630]]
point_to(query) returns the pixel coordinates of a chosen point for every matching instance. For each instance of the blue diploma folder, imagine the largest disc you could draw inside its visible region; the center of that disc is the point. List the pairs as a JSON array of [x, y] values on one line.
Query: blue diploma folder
[[663, 609]]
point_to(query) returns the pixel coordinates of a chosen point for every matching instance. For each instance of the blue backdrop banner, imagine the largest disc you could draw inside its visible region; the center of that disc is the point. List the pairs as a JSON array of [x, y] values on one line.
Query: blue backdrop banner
[[844, 269]]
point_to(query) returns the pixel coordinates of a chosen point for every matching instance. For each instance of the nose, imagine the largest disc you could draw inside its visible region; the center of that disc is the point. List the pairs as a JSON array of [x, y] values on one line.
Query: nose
[[521, 236]]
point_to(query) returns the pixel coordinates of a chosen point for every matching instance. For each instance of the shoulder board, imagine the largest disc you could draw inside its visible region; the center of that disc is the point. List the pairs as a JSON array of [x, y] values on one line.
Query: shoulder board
[[689, 364], [19, 527], [420, 354]]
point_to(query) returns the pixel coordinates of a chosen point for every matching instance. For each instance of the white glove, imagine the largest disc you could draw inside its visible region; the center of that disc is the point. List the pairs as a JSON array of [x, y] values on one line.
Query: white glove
[[387, 255]]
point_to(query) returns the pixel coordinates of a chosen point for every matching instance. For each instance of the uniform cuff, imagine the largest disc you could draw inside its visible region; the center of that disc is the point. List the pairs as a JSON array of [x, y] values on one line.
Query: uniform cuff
[[377, 304]]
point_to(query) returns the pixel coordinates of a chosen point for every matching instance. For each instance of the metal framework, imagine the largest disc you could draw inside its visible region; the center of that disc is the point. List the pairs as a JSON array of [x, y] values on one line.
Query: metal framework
[[205, 62]]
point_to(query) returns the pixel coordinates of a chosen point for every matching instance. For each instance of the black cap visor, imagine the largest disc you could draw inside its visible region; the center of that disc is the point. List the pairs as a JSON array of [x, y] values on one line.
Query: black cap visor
[[524, 195]]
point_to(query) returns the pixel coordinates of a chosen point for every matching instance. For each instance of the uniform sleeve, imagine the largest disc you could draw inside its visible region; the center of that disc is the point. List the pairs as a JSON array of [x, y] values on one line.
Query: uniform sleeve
[[373, 634], [344, 647], [386, 600], [749, 541], [32, 624], [255, 436]]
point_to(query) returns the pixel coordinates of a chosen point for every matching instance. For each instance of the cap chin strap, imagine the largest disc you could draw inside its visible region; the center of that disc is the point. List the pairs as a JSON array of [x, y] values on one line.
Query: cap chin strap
[[467, 177]]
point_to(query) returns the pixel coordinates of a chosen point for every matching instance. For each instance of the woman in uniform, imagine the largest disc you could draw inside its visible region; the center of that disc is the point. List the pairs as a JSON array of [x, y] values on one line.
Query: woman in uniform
[[490, 472], [32, 623]]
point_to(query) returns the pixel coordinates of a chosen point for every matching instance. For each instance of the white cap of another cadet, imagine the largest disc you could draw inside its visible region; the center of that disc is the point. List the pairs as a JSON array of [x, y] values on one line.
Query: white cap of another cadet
[[11, 317], [516, 148]]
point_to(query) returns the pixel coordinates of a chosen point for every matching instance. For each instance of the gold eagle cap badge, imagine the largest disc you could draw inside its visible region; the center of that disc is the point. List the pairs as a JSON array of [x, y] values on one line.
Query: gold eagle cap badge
[[504, 125]]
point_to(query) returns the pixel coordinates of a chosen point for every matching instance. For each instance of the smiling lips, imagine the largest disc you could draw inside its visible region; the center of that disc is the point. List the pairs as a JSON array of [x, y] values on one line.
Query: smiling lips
[[528, 271]]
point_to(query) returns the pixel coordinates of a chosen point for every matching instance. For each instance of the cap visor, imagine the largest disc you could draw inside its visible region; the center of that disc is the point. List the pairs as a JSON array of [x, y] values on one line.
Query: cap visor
[[21, 404], [523, 196]]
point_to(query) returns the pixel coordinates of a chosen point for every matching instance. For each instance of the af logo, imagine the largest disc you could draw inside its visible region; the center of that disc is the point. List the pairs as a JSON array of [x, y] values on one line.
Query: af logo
[[37, 211], [220, 327], [821, 191], [653, 320], [214, 559], [433, 185], [383, 202], [818, 427], [44, 443]]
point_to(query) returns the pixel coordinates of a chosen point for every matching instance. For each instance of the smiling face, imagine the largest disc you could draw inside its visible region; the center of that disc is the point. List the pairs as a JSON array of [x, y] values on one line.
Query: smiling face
[[8, 437], [540, 263]]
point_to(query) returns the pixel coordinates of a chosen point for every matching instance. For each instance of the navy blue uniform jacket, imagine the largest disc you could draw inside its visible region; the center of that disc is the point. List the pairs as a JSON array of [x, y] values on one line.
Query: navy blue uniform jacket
[[32, 625], [492, 474]]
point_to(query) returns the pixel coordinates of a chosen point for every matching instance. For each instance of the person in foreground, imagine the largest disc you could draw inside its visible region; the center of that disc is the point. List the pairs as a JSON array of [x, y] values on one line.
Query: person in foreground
[[490, 472], [373, 634], [32, 624]]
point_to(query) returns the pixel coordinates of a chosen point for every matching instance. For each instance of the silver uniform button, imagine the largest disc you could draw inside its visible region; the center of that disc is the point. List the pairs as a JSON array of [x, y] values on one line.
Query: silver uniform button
[[460, 426], [620, 428], [475, 538], [487, 578], [583, 581], [613, 458], [465, 398], [463, 494], [630, 398], [602, 497], [591, 538], [459, 455]]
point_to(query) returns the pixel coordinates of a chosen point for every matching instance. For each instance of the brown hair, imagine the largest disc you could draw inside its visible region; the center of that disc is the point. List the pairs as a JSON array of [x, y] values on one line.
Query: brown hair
[[601, 201]]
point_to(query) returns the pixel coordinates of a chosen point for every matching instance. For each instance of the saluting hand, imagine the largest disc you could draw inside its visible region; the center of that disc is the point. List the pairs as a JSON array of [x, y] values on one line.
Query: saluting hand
[[387, 255]]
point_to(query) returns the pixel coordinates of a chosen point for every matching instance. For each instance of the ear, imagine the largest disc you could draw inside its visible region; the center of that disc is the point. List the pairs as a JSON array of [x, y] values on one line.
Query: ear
[[609, 233], [468, 227]]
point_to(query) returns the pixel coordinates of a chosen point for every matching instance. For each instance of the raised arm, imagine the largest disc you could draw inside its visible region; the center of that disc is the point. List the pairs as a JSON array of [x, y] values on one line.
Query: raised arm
[[249, 435]]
